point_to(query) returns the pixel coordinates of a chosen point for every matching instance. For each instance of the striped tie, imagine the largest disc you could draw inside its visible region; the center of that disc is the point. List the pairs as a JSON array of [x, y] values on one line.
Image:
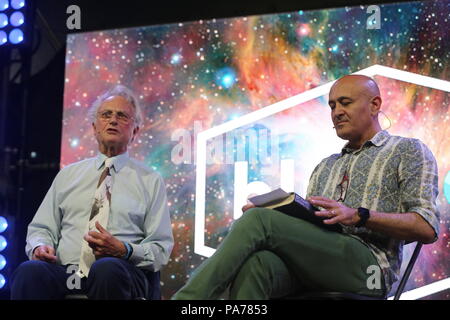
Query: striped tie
[[100, 213]]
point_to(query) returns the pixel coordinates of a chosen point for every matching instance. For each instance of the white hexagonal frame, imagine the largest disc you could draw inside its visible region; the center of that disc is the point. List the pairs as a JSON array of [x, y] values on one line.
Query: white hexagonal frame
[[388, 72]]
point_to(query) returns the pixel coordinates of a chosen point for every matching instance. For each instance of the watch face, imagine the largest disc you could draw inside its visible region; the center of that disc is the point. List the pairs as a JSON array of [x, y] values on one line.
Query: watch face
[[363, 211], [364, 214]]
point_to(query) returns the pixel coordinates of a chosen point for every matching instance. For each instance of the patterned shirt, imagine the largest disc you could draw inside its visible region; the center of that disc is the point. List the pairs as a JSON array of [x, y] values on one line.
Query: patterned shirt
[[387, 174]]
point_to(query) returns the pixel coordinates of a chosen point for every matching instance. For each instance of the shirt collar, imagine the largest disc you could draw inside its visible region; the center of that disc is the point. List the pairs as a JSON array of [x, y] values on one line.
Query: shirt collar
[[119, 161], [377, 140]]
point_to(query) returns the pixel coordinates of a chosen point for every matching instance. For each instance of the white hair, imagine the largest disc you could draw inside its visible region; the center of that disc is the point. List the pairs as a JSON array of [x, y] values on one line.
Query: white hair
[[117, 91]]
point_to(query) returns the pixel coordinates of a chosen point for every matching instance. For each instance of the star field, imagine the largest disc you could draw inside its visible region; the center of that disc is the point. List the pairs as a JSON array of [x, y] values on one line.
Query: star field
[[213, 71]]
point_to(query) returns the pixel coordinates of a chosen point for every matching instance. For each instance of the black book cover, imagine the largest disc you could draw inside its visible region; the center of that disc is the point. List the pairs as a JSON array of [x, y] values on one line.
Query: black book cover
[[300, 208]]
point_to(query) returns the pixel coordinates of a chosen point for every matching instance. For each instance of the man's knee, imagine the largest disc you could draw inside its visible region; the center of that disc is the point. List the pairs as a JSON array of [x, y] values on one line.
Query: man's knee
[[108, 267], [251, 217], [35, 269], [256, 210], [109, 278], [37, 280]]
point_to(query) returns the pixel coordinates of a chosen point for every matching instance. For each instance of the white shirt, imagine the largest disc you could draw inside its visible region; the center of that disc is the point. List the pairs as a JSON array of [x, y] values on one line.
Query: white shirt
[[139, 213]]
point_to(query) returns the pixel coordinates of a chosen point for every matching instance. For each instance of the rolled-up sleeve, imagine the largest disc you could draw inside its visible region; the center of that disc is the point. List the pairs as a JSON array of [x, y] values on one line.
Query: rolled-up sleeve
[[418, 181], [45, 227], [154, 250]]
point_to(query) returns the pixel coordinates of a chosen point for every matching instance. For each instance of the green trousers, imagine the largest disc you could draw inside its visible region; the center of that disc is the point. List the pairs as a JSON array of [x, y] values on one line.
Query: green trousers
[[268, 254]]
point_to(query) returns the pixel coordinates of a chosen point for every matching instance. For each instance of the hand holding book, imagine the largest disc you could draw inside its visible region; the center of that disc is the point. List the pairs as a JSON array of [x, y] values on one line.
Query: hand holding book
[[335, 211], [292, 204]]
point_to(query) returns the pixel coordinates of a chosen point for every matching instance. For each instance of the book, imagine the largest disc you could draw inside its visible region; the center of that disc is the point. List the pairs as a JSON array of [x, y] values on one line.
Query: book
[[293, 205]]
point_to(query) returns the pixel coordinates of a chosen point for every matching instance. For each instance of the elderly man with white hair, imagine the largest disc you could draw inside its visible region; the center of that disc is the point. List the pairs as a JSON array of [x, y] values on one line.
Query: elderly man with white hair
[[103, 229]]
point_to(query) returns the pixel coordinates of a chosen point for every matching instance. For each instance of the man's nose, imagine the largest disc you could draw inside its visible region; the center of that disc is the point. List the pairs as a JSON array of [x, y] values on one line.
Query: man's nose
[[339, 109], [338, 112], [113, 118]]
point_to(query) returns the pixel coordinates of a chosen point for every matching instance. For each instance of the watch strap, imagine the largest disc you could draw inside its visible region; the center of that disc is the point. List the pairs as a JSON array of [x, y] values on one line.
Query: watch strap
[[364, 215], [129, 251]]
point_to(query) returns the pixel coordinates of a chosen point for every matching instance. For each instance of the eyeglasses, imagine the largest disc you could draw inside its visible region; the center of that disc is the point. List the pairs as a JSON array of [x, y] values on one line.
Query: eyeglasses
[[120, 116], [343, 187]]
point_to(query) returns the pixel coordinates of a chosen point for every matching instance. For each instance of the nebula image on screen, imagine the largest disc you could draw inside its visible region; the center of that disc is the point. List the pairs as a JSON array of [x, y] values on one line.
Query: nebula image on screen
[[191, 77]]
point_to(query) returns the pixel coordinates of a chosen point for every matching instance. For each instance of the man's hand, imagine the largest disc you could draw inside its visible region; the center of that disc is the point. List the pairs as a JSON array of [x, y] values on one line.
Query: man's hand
[[249, 205], [335, 211], [44, 253], [104, 244]]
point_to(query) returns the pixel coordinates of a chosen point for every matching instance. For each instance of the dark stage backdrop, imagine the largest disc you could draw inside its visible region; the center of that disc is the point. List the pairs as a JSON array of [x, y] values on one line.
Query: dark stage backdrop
[[239, 105]]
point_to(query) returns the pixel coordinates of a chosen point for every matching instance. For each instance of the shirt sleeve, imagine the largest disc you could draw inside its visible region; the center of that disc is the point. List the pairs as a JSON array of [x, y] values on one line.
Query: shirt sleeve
[[418, 181], [154, 250], [45, 227], [312, 185]]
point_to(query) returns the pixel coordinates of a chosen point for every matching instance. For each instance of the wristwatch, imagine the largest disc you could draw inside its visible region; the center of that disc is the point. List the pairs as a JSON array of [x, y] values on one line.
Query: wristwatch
[[364, 215], [129, 251]]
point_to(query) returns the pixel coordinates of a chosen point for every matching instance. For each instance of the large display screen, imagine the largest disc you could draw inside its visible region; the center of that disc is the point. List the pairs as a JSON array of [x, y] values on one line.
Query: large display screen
[[239, 106]]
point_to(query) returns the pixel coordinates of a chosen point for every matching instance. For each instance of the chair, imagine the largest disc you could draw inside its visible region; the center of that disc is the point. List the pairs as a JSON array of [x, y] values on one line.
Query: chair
[[353, 296], [154, 288], [408, 270]]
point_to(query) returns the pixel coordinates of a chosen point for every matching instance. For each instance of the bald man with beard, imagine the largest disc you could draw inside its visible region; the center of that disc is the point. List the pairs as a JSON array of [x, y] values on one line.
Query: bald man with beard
[[380, 188]]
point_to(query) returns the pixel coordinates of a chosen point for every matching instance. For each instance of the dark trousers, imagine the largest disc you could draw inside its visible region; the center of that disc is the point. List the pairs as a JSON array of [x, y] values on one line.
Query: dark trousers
[[109, 278]]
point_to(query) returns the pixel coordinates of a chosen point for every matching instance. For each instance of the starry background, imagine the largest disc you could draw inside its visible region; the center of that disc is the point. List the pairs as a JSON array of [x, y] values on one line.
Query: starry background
[[192, 76]]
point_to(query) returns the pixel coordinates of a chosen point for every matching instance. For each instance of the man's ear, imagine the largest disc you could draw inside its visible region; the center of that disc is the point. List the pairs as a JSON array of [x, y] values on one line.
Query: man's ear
[[375, 105], [135, 131]]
